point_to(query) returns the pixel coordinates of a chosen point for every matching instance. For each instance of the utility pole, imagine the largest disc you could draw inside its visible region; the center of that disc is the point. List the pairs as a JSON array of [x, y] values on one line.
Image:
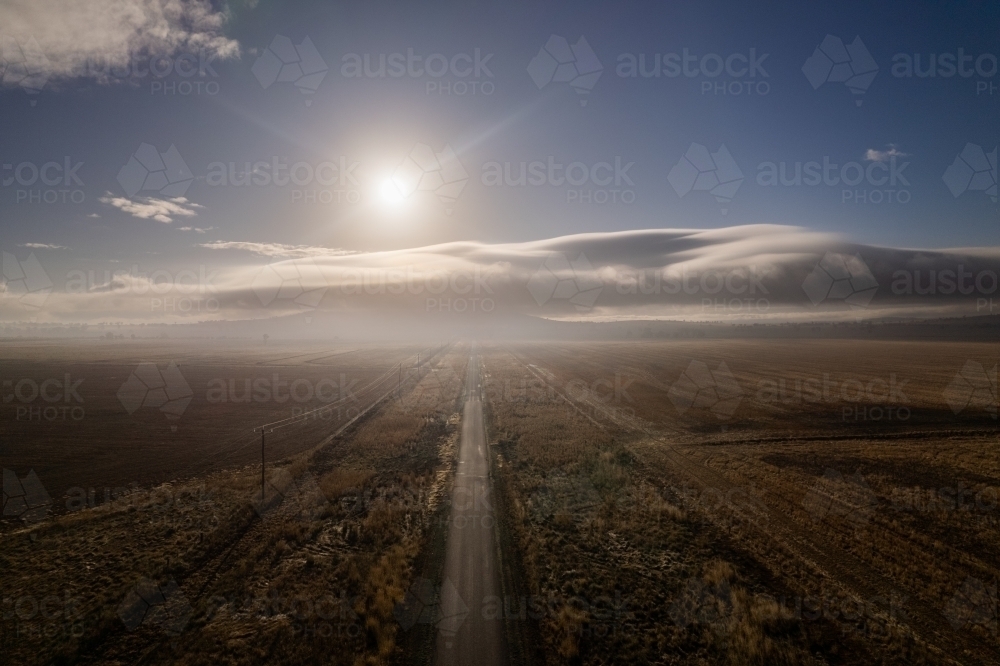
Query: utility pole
[[262, 469]]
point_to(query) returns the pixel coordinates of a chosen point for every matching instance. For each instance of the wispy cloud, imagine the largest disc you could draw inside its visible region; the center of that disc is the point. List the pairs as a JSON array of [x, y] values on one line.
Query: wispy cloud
[[197, 230], [55, 39], [873, 155], [44, 246], [278, 249], [150, 208], [94, 215]]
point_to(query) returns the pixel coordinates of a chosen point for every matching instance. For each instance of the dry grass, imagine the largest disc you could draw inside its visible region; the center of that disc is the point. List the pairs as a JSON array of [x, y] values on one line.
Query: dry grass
[[609, 550], [320, 574], [632, 494]]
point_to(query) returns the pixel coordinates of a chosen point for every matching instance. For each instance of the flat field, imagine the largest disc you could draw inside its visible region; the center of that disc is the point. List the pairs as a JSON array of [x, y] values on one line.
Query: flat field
[[196, 566], [752, 501], [76, 415], [662, 502]]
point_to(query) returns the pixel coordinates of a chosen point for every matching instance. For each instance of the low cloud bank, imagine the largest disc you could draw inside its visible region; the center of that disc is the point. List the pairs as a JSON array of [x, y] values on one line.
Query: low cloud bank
[[765, 273]]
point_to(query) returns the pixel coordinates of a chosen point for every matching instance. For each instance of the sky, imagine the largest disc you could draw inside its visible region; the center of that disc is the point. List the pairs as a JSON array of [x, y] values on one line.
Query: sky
[[194, 137]]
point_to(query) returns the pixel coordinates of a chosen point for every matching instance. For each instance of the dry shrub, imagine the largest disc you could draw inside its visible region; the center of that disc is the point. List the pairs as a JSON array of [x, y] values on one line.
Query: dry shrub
[[563, 519], [570, 623], [754, 634], [747, 628], [717, 572], [607, 475], [339, 482], [385, 587]]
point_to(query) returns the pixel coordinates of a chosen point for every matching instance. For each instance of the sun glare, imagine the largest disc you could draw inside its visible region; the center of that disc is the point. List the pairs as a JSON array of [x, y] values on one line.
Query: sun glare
[[389, 194]]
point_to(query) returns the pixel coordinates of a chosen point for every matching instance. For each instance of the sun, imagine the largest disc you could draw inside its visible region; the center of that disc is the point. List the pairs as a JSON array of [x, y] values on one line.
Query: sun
[[389, 194]]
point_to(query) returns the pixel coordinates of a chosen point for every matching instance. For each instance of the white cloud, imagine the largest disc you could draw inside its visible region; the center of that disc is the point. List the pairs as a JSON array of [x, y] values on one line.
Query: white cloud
[[873, 155], [765, 266], [95, 215], [86, 38], [146, 208], [44, 246], [278, 249], [197, 230]]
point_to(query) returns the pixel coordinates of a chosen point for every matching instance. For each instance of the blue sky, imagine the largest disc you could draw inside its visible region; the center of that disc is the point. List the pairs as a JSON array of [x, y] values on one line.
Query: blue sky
[[234, 115]]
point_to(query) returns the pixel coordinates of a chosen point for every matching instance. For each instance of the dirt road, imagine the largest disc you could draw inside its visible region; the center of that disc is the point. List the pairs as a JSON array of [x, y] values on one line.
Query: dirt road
[[471, 579]]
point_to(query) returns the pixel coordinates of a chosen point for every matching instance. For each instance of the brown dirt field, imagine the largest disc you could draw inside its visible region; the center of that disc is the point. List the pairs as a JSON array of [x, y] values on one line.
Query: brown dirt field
[[202, 571], [88, 439], [662, 502], [817, 512]]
